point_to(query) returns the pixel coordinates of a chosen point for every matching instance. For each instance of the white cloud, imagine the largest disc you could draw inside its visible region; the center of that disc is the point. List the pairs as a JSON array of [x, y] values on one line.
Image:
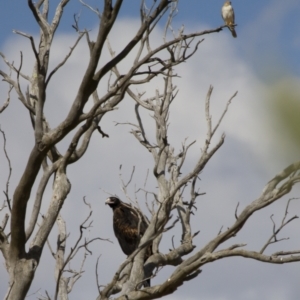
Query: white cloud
[[237, 173]]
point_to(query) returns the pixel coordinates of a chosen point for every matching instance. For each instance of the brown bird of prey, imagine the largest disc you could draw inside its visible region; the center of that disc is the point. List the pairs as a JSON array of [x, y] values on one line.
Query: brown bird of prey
[[228, 17], [129, 226]]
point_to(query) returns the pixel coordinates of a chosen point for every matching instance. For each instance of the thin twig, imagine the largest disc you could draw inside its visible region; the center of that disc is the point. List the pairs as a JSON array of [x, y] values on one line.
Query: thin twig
[[32, 44], [96, 271], [95, 10], [6, 103], [224, 113], [273, 238], [65, 59], [236, 209], [6, 192], [12, 67]]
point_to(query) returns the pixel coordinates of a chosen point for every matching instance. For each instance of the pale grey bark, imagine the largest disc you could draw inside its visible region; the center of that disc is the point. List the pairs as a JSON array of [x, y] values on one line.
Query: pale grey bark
[[170, 198], [167, 171], [64, 283], [21, 263]]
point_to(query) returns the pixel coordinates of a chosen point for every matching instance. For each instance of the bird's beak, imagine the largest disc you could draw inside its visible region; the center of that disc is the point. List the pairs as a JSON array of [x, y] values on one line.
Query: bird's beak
[[107, 201]]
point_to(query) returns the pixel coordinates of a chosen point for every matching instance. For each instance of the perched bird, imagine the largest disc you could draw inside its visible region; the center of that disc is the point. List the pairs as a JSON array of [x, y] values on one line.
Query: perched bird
[[228, 17], [129, 226]]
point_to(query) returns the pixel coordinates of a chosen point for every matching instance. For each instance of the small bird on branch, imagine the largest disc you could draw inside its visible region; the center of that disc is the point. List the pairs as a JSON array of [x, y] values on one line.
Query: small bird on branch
[[228, 17]]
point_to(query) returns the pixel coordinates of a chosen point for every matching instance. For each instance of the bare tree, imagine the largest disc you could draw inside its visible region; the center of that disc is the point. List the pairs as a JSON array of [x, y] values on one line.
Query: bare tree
[[81, 121], [22, 245], [172, 185]]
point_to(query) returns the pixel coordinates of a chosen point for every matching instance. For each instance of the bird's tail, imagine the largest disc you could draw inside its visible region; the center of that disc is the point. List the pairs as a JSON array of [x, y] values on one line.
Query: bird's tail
[[233, 32], [147, 283]]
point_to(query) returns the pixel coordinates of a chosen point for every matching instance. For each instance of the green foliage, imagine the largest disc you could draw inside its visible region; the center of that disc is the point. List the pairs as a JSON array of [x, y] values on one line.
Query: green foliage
[[285, 96]]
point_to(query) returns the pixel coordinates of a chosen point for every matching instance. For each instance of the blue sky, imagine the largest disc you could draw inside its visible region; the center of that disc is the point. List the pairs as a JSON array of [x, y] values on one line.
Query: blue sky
[[265, 52], [268, 31]]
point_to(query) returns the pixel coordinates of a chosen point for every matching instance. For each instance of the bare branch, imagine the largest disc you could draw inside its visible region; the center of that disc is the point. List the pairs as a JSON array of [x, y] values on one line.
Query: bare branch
[[65, 59], [96, 273], [8, 79], [74, 250], [39, 196], [223, 114], [95, 10], [32, 43], [12, 67], [284, 253], [236, 209], [6, 192], [4, 222], [57, 16], [256, 255], [6, 103], [273, 239], [39, 18]]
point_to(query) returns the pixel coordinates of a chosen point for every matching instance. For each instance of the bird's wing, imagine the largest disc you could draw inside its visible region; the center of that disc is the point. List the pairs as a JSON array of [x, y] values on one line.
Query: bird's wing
[[126, 228]]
